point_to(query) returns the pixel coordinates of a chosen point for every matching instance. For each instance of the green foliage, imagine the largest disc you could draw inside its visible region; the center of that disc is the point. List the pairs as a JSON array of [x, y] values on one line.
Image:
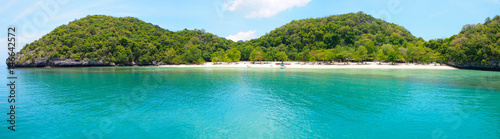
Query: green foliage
[[247, 50], [361, 54], [381, 56], [77, 58], [393, 56], [281, 56], [125, 40], [329, 56], [344, 37], [353, 29], [359, 36], [219, 56], [257, 54], [234, 55], [474, 44], [193, 55]]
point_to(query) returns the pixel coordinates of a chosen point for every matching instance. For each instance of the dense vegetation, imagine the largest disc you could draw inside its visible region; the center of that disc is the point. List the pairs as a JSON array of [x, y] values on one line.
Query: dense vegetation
[[344, 37], [123, 40], [354, 36], [478, 43]]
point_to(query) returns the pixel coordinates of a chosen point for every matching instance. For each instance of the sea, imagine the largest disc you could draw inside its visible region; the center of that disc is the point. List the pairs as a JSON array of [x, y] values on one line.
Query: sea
[[170, 102]]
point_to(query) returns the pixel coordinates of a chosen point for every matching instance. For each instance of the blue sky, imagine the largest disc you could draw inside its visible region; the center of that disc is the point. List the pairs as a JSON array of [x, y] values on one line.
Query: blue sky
[[243, 19]]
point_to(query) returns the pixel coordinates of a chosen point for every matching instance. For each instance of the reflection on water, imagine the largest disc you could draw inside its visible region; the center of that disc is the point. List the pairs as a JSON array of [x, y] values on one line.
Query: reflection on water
[[152, 102]]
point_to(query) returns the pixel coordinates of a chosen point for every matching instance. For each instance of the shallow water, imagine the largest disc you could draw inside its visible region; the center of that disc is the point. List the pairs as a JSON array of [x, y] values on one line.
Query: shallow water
[[152, 102]]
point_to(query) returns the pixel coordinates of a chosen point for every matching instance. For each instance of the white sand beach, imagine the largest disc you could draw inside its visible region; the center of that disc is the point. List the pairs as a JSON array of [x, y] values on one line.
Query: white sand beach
[[316, 65]]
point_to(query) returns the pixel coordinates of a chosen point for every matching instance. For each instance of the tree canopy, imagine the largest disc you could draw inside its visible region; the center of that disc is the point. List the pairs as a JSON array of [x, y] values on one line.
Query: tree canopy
[[346, 37], [124, 40], [479, 43]]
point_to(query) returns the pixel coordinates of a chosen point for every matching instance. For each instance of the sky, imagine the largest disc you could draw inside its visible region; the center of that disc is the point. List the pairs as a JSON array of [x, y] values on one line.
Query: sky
[[241, 19]]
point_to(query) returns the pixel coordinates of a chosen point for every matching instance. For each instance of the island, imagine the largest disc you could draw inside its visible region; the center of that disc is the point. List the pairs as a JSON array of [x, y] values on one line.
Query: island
[[100, 40]]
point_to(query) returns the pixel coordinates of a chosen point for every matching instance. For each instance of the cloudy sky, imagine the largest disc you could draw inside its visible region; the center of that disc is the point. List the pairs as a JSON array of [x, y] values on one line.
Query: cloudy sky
[[243, 19]]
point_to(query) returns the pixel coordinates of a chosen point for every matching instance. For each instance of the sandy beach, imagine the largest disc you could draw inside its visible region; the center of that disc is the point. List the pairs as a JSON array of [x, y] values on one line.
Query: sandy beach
[[311, 65]]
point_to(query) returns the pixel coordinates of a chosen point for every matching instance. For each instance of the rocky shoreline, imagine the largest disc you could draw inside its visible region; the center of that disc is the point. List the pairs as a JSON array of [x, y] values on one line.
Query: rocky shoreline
[[73, 63], [477, 66], [99, 63]]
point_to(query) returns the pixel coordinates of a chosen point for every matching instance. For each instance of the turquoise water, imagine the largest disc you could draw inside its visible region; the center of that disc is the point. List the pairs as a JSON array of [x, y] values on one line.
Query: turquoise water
[[152, 102]]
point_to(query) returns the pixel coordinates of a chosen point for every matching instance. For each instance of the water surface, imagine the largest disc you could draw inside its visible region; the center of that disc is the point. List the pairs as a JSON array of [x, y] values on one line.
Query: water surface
[[152, 102]]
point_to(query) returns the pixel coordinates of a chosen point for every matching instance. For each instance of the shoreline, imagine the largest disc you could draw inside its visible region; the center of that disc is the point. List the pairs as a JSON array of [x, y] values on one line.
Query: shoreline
[[310, 65]]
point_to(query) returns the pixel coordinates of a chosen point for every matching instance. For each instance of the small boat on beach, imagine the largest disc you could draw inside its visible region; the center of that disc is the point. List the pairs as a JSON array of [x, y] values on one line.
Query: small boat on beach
[[282, 66]]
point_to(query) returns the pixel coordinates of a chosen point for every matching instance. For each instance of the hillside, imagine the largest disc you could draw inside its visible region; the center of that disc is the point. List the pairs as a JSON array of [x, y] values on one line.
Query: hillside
[[106, 39], [354, 35], [477, 45]]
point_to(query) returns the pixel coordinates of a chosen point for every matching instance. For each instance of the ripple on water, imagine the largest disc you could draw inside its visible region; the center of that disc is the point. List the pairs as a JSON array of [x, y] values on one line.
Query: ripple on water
[[151, 102]]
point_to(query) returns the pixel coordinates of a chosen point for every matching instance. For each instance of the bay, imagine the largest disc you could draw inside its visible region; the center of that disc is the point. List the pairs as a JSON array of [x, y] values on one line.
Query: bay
[[155, 102]]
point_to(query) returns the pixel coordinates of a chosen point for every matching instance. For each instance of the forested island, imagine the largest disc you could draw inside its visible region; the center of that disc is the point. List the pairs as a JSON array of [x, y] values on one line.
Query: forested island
[[101, 40]]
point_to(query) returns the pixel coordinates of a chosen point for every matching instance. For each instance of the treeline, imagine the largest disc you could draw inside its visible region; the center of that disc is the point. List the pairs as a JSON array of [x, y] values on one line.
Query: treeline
[[347, 37]]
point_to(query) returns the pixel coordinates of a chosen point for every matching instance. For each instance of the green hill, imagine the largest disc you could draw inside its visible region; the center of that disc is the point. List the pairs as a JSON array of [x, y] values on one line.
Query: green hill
[[475, 46], [122, 40], [347, 37]]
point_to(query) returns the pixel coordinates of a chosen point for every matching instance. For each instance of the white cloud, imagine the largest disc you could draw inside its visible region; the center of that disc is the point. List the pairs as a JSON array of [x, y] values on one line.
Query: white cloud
[[242, 36], [262, 8]]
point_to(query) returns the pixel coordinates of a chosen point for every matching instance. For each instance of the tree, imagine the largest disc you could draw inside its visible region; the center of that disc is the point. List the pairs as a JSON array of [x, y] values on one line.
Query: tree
[[396, 39], [219, 56], [257, 54], [214, 58], [281, 56], [234, 55], [144, 59], [487, 20], [354, 35], [392, 57], [346, 55], [362, 53], [246, 52], [368, 44], [169, 55], [402, 53], [270, 54], [381, 56], [77, 57], [387, 48], [299, 57], [193, 55], [121, 55], [329, 56], [312, 58]]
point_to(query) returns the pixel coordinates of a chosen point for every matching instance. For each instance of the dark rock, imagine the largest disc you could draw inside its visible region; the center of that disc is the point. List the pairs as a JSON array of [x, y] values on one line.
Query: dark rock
[[58, 62]]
